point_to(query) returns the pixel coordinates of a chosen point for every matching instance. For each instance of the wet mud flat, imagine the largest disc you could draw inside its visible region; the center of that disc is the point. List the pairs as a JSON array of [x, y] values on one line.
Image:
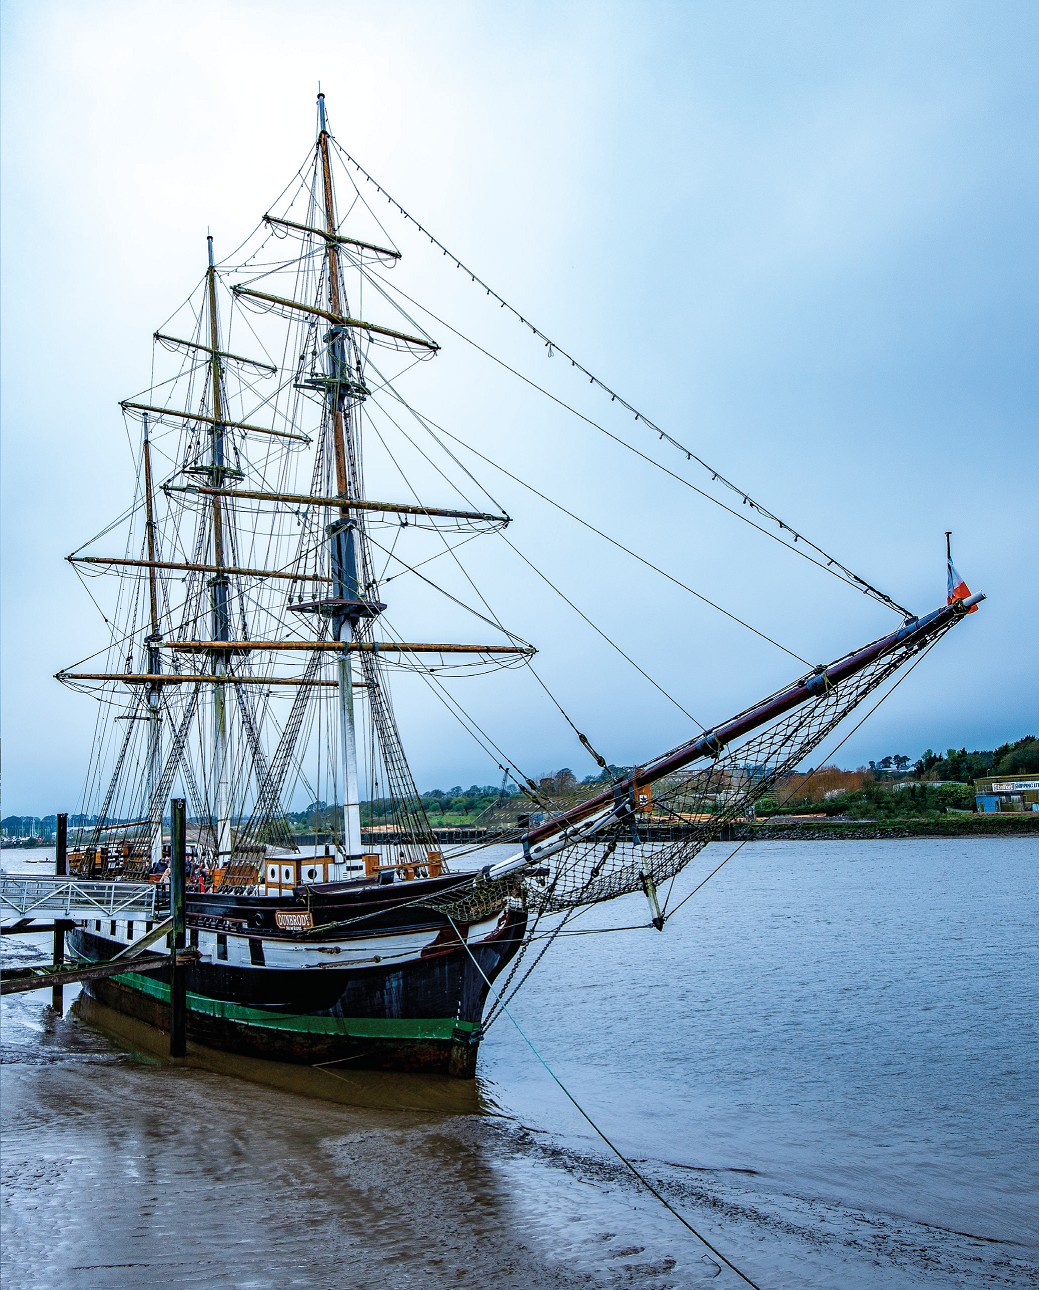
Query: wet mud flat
[[833, 1110], [121, 1169]]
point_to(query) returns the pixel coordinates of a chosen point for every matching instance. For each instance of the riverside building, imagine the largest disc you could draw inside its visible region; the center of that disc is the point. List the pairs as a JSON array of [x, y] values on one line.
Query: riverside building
[[1007, 793]]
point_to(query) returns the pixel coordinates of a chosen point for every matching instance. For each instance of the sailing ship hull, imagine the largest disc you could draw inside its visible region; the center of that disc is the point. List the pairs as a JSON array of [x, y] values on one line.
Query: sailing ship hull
[[420, 1014]]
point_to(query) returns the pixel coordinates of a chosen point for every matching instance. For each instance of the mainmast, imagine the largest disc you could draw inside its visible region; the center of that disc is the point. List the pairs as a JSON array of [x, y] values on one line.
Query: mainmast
[[156, 806], [218, 584], [346, 606]]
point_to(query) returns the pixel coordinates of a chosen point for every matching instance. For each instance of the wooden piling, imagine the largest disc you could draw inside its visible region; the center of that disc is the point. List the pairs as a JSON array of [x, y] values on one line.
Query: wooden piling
[[58, 959], [178, 885], [61, 868], [61, 854]]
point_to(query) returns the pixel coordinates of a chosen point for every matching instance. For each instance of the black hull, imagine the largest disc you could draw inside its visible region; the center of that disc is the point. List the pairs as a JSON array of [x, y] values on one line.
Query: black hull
[[423, 1015]]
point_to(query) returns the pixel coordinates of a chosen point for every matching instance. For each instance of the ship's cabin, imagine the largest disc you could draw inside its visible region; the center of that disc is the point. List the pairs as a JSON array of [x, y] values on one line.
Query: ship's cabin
[[284, 873]]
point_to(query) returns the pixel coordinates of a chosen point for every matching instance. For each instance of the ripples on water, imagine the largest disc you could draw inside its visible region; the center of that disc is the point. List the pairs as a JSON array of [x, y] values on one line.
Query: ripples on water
[[827, 1061]]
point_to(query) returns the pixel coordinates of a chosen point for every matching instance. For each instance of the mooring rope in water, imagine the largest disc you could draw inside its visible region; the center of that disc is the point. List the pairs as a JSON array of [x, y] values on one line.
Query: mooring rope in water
[[641, 1177]]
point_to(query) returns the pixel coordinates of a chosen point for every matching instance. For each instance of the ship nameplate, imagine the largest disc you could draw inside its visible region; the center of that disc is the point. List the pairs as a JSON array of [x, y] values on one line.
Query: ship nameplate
[[294, 920]]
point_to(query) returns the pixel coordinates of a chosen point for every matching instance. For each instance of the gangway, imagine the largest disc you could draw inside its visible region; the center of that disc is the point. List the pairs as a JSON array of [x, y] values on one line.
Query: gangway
[[67, 900], [56, 975], [26, 896]]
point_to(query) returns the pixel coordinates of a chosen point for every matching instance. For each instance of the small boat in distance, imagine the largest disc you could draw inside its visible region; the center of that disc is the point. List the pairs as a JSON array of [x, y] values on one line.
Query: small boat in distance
[[249, 664]]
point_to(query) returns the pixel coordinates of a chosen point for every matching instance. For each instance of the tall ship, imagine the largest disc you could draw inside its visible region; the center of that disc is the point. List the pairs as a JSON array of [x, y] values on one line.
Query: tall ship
[[250, 657]]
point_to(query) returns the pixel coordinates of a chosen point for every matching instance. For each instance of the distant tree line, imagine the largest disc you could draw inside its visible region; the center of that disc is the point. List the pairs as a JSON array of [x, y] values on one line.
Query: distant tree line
[[1018, 758], [880, 788], [473, 805], [886, 791]]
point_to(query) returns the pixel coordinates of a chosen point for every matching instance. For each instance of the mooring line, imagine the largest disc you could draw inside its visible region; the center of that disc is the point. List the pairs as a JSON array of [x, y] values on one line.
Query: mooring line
[[584, 1114]]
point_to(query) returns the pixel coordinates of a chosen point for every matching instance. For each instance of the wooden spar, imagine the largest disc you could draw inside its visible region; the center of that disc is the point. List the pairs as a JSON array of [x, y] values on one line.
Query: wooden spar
[[710, 744], [217, 419], [341, 320], [207, 349], [212, 421], [337, 238], [189, 567], [186, 678], [336, 313], [305, 499], [354, 646], [149, 529]]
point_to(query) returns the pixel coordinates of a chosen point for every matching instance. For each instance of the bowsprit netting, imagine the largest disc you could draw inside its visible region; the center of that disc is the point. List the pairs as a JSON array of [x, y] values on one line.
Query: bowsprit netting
[[652, 836], [691, 808]]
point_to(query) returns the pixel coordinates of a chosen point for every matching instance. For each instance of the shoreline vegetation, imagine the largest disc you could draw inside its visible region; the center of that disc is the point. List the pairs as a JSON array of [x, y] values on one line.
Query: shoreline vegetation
[[953, 825], [889, 798]]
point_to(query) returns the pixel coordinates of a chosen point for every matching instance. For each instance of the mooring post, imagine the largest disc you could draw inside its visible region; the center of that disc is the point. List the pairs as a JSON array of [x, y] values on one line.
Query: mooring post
[[61, 853], [178, 884], [61, 868]]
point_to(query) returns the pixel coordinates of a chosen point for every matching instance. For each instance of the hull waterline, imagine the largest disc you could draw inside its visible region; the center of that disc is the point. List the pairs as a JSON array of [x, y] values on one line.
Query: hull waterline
[[422, 1014]]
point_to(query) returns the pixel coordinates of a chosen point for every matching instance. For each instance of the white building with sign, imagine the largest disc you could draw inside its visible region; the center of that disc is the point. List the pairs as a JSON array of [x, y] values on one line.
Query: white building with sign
[[1007, 793]]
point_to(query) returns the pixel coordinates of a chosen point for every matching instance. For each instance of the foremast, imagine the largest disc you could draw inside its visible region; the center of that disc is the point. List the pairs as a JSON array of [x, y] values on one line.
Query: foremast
[[218, 583]]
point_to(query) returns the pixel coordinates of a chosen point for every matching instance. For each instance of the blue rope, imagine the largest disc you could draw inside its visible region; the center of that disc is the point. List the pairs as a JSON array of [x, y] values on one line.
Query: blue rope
[[613, 1147]]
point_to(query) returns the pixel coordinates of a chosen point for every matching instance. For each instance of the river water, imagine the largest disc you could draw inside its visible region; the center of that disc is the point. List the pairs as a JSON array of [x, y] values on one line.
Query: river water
[[827, 1063]]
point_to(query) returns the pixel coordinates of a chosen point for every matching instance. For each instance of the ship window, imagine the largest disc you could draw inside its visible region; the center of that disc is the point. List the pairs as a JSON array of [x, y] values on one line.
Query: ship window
[[193, 937], [286, 873], [129, 931], [311, 875], [272, 872], [221, 946], [111, 928], [256, 951]]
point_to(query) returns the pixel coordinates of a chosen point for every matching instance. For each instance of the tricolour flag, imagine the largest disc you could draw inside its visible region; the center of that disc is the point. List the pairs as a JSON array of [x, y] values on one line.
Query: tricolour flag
[[958, 589]]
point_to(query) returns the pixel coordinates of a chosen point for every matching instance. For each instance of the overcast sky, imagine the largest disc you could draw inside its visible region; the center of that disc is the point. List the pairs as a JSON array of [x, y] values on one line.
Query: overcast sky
[[801, 236]]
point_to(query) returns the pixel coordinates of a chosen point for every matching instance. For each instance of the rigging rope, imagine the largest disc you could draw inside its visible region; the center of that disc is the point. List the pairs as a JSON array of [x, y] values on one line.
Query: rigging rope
[[427, 424], [833, 564]]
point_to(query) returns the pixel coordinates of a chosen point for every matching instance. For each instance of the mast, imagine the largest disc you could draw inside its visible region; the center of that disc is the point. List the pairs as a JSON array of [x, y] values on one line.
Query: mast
[[218, 584], [347, 608], [156, 807]]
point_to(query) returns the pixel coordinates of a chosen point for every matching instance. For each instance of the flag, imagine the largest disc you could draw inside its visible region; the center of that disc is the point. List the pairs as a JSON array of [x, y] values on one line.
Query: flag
[[958, 589]]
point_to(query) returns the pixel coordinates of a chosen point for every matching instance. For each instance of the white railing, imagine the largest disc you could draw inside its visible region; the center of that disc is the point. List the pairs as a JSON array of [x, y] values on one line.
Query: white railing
[[79, 898]]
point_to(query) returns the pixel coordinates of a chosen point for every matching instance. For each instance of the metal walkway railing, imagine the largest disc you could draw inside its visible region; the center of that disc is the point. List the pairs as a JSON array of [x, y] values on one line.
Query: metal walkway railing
[[78, 898]]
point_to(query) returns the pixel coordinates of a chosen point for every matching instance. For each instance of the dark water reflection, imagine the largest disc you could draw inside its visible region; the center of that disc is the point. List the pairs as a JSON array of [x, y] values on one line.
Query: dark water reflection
[[830, 1068]]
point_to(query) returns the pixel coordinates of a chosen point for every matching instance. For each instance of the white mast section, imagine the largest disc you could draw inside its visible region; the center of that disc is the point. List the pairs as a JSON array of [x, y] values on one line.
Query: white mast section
[[218, 587], [348, 734]]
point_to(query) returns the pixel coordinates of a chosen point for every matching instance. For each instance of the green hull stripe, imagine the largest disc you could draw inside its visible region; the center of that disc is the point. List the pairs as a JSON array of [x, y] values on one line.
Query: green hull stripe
[[362, 1027]]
